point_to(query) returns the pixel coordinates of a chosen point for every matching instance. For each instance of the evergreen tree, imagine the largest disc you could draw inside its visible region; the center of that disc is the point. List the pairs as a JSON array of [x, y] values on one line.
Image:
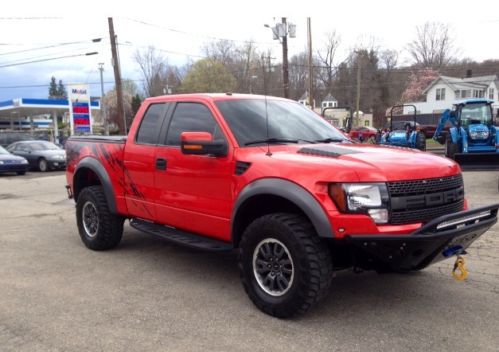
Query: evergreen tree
[[61, 90], [53, 93], [136, 101]]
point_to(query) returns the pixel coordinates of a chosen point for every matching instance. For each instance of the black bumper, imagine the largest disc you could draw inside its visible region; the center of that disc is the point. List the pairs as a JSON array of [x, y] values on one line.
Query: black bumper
[[14, 168], [57, 165], [439, 239]]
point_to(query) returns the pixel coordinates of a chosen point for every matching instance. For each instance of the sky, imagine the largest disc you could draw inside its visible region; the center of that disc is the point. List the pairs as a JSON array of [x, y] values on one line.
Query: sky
[[39, 30]]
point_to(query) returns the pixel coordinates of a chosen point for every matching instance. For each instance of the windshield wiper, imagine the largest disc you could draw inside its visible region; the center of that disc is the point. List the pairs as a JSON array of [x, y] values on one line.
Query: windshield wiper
[[272, 141], [330, 140]]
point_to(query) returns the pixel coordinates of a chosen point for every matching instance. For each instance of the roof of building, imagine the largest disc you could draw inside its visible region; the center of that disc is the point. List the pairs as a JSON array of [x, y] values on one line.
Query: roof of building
[[329, 97], [479, 82]]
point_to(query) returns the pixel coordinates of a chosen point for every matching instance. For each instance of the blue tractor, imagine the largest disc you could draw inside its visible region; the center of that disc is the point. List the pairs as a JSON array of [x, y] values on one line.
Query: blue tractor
[[472, 134], [406, 135]]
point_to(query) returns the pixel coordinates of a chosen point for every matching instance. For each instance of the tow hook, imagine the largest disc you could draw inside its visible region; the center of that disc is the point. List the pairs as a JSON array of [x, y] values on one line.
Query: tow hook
[[459, 271]]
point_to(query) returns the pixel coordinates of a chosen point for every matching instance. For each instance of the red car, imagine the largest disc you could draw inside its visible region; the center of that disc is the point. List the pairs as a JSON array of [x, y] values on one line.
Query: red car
[[271, 180], [364, 133]]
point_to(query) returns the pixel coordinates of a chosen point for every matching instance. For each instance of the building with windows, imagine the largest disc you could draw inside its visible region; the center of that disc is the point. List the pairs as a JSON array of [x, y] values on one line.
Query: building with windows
[[443, 91], [329, 102]]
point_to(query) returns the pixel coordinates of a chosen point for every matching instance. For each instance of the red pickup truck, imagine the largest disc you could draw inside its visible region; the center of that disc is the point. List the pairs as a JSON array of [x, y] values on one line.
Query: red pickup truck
[[271, 180]]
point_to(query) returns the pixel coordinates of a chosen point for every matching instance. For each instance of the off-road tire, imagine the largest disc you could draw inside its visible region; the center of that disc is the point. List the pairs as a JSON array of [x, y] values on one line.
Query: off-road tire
[[451, 149], [421, 141], [43, 165], [311, 257], [109, 228]]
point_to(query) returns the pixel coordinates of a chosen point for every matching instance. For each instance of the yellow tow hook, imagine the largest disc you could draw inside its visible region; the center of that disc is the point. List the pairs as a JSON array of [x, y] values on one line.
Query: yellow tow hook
[[459, 272]]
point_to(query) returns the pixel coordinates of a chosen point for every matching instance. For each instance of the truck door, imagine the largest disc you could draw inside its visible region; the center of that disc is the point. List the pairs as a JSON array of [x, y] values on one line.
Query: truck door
[[194, 191], [140, 163]]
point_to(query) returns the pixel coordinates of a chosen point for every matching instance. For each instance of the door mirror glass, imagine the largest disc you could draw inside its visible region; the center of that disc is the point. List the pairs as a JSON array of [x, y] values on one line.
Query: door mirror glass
[[201, 143]]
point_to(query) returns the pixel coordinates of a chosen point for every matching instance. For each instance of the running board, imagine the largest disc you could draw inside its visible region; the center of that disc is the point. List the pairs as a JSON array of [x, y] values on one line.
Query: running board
[[181, 237]]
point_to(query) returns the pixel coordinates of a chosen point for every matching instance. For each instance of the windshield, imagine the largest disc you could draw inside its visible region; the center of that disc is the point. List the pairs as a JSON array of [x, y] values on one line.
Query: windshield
[[3, 151], [43, 146], [475, 114], [287, 120]]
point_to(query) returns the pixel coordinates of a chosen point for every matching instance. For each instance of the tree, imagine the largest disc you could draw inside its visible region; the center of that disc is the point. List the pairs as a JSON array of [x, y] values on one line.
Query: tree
[[136, 101], [418, 81], [61, 90], [130, 91], [208, 75], [53, 93], [326, 59], [154, 69], [433, 46]]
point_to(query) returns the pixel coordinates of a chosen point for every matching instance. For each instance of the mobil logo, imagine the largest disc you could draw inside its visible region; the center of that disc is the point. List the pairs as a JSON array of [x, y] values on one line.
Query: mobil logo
[[82, 91]]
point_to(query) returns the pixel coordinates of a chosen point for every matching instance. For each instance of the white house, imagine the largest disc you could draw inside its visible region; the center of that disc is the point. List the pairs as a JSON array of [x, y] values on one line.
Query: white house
[[329, 102], [444, 90], [304, 99]]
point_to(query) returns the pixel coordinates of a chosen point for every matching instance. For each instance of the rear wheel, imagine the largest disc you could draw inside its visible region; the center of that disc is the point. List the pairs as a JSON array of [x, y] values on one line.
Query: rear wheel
[[98, 228], [285, 267], [43, 165], [451, 149]]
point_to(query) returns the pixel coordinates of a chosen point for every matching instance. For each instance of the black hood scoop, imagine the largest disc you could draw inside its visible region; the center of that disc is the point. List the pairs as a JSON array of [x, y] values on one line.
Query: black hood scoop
[[331, 151]]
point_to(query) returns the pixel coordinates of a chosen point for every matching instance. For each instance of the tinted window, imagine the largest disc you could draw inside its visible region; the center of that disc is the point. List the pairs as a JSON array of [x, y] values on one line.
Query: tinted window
[[286, 119], [151, 124], [192, 117]]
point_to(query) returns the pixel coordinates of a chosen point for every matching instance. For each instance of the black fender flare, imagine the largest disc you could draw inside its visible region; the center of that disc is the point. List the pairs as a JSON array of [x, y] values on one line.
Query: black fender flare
[[291, 192], [95, 165]]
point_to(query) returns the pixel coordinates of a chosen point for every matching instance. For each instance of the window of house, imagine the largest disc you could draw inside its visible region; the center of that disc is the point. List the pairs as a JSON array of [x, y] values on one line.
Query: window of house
[[457, 94], [478, 93], [151, 124], [331, 104], [491, 93], [440, 94], [465, 93], [366, 123], [192, 117]]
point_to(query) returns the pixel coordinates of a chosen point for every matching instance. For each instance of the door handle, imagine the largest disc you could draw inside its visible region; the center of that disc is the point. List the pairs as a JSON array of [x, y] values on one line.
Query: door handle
[[161, 164]]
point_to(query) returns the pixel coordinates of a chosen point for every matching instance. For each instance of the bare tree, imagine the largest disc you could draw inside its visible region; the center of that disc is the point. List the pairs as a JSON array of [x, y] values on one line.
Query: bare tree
[[433, 46], [154, 69], [326, 59]]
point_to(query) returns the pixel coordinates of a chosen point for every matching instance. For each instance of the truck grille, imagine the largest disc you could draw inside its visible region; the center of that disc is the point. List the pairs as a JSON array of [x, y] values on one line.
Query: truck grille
[[424, 200]]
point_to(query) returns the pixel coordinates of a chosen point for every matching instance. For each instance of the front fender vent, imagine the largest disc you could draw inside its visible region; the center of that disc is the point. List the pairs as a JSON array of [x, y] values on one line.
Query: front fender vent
[[241, 167]]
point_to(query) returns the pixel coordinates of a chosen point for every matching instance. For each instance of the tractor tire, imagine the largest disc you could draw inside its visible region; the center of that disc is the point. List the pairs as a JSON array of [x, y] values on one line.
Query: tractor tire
[[285, 267], [421, 141], [451, 149], [99, 229]]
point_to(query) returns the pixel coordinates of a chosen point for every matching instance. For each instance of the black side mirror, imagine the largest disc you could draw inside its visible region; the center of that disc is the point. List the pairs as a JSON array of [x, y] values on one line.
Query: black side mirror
[[201, 143]]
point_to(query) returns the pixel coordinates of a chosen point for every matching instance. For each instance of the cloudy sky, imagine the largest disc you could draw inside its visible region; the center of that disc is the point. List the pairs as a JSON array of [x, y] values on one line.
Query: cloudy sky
[[39, 30]]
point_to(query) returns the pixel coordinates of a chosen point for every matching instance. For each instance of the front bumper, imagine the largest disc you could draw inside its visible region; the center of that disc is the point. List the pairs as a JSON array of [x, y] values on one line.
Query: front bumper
[[439, 239], [14, 168], [57, 164]]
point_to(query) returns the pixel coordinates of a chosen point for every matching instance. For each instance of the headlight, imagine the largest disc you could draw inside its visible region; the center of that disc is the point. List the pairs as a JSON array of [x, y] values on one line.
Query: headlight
[[367, 198], [24, 161], [1, 162]]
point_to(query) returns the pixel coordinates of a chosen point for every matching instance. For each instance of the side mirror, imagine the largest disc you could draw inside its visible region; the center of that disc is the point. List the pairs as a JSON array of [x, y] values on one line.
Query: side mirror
[[201, 143]]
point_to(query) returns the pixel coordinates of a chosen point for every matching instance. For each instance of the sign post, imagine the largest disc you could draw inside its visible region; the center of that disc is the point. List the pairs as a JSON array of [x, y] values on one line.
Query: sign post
[[79, 109]]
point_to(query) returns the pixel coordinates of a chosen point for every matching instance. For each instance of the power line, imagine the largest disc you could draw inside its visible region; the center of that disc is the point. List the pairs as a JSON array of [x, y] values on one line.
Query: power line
[[29, 18], [95, 40], [48, 85], [50, 59], [193, 34]]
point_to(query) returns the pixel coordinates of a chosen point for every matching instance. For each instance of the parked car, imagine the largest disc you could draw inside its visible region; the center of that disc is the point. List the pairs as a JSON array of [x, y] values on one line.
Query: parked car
[[41, 155], [12, 163], [7, 138], [364, 133]]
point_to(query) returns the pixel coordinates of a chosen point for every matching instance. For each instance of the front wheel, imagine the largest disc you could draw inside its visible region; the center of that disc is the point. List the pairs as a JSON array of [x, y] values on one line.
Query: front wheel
[[43, 165], [98, 228], [451, 149], [285, 267]]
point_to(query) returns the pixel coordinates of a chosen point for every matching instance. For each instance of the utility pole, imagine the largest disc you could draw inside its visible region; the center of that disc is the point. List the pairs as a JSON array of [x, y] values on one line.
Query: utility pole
[[285, 69], [357, 99], [310, 64], [117, 75], [102, 106]]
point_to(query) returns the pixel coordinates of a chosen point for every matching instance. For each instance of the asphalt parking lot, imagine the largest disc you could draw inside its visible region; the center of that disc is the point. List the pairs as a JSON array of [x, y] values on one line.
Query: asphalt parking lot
[[55, 295]]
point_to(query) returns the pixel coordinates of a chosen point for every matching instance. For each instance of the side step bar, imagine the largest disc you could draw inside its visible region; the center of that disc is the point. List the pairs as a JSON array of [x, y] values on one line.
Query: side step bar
[[181, 237]]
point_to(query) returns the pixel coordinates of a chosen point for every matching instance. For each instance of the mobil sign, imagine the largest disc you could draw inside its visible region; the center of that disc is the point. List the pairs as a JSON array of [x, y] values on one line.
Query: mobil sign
[[79, 104]]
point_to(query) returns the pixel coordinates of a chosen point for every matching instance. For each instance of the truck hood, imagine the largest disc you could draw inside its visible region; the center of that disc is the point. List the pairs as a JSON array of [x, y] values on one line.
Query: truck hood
[[359, 162]]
